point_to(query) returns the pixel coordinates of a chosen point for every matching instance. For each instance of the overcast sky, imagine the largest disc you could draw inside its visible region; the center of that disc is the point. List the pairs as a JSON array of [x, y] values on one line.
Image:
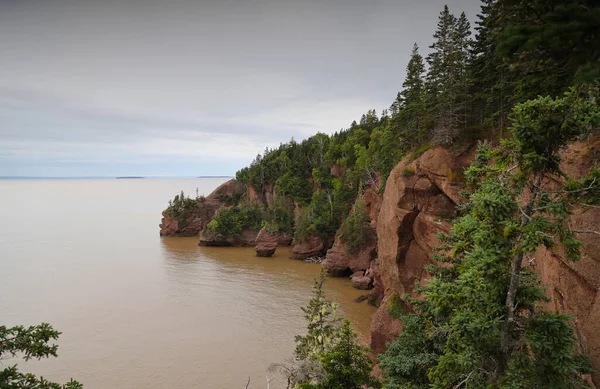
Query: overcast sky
[[187, 88]]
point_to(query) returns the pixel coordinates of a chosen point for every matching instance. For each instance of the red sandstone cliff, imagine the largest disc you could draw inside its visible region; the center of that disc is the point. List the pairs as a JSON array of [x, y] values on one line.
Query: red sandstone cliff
[[419, 200]]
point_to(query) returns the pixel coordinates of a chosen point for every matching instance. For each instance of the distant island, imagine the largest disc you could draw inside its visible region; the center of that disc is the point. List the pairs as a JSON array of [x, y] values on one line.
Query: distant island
[[214, 177], [128, 178]]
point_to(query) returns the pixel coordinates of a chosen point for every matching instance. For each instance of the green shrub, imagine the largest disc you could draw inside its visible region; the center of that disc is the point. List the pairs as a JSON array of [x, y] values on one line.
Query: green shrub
[[181, 207], [232, 221], [408, 171], [231, 200], [279, 216], [356, 228], [295, 187]]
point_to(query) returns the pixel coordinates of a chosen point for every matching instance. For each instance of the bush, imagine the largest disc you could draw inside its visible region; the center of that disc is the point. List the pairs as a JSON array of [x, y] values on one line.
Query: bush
[[356, 228], [279, 216], [408, 171], [297, 188], [232, 221], [181, 207]]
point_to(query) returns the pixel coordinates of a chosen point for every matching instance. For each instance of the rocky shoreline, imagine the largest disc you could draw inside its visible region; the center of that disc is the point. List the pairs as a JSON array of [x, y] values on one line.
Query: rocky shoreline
[[419, 202]]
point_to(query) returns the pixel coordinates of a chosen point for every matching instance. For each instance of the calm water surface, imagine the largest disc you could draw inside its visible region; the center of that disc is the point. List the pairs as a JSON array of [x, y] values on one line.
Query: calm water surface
[[140, 311]]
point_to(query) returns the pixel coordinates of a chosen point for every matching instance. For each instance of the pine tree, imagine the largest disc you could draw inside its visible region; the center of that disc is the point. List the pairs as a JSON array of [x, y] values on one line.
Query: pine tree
[[481, 322]]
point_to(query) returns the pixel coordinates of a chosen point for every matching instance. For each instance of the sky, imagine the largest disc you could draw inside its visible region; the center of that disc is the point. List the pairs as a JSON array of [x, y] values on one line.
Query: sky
[[193, 87]]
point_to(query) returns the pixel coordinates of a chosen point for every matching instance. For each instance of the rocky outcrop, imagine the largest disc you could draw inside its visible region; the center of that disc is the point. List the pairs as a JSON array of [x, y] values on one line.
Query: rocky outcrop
[[266, 242], [419, 202], [362, 282], [314, 246], [203, 212], [338, 261], [246, 238], [266, 196]]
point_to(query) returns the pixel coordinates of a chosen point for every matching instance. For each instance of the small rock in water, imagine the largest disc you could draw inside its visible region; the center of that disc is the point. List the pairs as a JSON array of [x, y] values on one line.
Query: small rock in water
[[361, 298]]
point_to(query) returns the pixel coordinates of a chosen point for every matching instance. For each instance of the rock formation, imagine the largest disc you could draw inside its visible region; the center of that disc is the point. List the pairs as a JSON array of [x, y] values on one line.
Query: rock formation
[[314, 246], [266, 242], [419, 201], [201, 215]]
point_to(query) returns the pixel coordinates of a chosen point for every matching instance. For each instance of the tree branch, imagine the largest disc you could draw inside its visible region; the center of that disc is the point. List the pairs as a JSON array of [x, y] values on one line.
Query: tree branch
[[586, 232]]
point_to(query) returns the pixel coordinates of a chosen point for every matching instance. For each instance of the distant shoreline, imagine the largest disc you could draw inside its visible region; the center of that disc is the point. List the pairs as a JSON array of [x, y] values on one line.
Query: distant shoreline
[[104, 178]]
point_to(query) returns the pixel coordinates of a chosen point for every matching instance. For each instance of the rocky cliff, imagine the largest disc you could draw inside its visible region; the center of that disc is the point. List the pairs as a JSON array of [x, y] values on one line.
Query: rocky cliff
[[420, 200], [202, 213]]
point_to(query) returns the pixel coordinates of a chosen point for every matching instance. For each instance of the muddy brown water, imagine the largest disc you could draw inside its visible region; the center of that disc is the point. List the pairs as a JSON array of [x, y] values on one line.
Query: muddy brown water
[[140, 311]]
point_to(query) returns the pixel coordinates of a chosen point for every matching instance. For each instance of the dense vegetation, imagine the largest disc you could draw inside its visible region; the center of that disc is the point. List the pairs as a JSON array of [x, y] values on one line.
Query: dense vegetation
[[29, 343], [480, 322], [182, 206], [462, 91]]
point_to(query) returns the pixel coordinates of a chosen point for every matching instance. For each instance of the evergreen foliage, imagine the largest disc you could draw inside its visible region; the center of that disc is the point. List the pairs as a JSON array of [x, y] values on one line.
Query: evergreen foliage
[[230, 222], [346, 365], [181, 207], [328, 356], [481, 323], [29, 343], [356, 228]]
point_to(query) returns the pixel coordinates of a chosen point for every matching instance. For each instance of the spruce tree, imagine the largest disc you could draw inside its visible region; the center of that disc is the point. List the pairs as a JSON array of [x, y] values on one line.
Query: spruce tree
[[439, 92], [412, 103], [447, 78], [481, 322]]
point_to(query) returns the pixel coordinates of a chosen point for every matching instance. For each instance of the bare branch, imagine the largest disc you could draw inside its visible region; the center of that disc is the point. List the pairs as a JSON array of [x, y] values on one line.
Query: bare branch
[[463, 381], [268, 381], [586, 232], [248, 383]]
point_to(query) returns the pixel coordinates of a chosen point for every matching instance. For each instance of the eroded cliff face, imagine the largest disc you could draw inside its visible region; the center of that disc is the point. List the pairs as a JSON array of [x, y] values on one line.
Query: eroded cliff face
[[419, 201], [202, 214]]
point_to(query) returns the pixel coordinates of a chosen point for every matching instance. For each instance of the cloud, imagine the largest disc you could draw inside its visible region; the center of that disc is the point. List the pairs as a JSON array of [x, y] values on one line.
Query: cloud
[[108, 85]]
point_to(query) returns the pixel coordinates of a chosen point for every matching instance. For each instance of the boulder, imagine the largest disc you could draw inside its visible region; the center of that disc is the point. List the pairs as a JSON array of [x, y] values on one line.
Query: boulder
[[311, 247], [362, 282], [266, 243]]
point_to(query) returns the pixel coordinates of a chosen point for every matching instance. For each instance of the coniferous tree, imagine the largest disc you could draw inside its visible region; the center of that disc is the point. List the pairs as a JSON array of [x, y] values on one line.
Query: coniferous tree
[[439, 92], [412, 99], [481, 322], [346, 365], [447, 78], [461, 57]]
